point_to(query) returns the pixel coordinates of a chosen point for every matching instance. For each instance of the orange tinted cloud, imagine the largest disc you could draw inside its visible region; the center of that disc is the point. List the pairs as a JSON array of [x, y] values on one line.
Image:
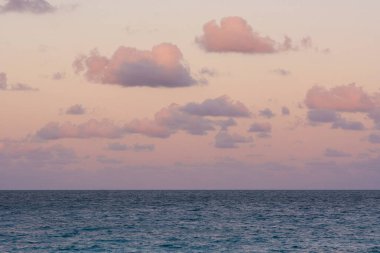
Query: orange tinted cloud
[[160, 67], [349, 98]]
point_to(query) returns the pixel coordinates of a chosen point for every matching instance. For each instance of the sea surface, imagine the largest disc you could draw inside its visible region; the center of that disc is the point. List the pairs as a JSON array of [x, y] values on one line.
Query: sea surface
[[189, 221]]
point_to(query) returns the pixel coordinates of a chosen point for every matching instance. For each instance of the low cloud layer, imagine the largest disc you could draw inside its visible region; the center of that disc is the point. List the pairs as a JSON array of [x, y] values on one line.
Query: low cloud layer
[[221, 106], [329, 152], [234, 34], [90, 129], [116, 146], [27, 6], [161, 67]]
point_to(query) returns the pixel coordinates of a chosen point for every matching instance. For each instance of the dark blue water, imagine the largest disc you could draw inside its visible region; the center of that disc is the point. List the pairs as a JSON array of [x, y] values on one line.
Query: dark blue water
[[189, 221]]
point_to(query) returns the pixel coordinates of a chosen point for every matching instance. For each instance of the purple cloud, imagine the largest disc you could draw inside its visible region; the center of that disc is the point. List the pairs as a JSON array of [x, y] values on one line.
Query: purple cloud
[[260, 127], [266, 113], [348, 125], [220, 106], [322, 116], [226, 140], [329, 152], [374, 138], [76, 110], [27, 6], [285, 111], [90, 129]]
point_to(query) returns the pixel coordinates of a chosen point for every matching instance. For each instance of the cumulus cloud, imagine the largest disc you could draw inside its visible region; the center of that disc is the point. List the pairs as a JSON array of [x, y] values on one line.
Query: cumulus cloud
[[346, 98], [90, 129], [161, 67], [76, 109], [266, 113], [260, 127], [226, 140], [234, 34], [348, 125], [221, 106], [329, 152], [27, 6], [374, 138], [170, 120]]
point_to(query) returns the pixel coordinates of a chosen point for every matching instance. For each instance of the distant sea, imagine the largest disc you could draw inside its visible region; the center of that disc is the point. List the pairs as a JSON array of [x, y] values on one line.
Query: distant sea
[[189, 221]]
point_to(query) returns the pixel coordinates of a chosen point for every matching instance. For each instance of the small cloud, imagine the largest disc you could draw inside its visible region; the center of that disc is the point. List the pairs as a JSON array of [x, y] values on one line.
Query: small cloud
[[281, 72], [143, 147], [207, 72], [58, 75], [106, 160], [322, 116], [76, 110], [348, 125], [226, 140], [221, 106], [260, 127], [27, 6], [266, 113], [117, 146], [21, 87], [329, 152], [285, 111], [225, 124]]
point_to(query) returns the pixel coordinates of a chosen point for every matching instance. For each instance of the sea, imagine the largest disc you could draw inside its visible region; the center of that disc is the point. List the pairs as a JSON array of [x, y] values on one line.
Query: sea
[[189, 221]]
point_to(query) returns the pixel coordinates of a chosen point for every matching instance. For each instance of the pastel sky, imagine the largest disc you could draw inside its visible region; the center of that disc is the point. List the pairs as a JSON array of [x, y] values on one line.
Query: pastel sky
[[195, 94]]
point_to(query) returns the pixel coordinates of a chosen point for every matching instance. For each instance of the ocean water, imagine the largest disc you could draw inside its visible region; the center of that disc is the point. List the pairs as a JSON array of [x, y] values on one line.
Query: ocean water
[[189, 221]]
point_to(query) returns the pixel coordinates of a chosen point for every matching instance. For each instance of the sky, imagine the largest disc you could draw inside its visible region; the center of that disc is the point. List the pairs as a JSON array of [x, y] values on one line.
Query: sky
[[189, 94]]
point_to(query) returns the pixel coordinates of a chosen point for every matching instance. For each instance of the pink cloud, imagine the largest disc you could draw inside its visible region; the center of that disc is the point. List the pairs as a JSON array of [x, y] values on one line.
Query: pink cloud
[[346, 98], [234, 34], [90, 129], [161, 67]]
